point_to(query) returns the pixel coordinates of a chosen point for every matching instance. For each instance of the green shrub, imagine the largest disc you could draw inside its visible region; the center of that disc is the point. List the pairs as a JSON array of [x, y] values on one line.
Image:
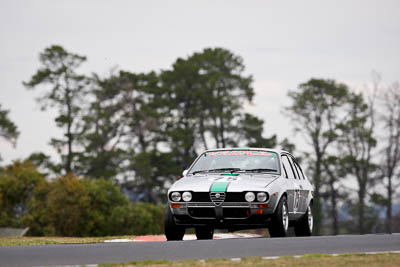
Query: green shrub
[[138, 219], [18, 182], [69, 206]]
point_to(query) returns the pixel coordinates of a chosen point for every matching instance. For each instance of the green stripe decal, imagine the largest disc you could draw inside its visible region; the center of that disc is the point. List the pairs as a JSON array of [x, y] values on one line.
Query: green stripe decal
[[219, 186], [230, 174]]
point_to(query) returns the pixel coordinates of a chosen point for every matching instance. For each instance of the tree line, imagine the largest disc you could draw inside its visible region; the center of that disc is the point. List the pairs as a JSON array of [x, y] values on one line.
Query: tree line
[[144, 128], [353, 138], [140, 130]]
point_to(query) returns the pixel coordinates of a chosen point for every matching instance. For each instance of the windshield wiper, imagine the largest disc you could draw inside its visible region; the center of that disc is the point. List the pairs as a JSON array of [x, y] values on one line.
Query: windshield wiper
[[260, 170], [219, 170]]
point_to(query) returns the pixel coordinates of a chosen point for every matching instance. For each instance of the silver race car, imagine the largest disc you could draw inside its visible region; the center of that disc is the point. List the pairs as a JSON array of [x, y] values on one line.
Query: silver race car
[[240, 188]]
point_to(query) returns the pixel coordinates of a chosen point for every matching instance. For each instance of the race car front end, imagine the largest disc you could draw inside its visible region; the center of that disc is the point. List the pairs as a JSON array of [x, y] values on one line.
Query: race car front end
[[222, 210]]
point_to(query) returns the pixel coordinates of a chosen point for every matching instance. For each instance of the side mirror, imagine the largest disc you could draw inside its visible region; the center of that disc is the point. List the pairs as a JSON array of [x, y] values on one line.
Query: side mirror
[[185, 172]]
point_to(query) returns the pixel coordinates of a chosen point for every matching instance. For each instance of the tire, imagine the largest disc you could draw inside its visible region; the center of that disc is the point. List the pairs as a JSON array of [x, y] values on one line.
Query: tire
[[171, 230], [203, 233], [280, 220], [304, 226]]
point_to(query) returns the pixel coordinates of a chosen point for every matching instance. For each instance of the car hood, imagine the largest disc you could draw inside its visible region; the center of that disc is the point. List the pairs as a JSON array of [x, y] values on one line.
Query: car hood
[[241, 182]]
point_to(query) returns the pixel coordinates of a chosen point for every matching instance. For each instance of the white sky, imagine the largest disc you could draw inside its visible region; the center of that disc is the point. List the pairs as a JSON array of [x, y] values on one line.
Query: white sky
[[283, 43]]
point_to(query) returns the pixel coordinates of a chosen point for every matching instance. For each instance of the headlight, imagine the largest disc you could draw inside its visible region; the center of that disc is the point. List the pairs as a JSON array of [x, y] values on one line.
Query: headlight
[[261, 197], [187, 196], [250, 197], [176, 196]]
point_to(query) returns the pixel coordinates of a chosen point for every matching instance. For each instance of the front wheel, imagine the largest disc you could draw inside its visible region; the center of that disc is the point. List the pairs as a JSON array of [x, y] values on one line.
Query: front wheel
[[171, 230], [304, 226], [204, 233], [280, 220]]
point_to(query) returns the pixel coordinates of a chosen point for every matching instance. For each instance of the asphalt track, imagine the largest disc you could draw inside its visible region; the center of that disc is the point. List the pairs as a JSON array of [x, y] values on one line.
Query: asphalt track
[[79, 254]]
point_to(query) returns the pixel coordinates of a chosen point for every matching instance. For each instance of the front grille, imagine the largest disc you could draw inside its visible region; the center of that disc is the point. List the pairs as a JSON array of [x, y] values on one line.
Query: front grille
[[201, 197], [229, 197], [217, 198], [235, 197], [202, 212]]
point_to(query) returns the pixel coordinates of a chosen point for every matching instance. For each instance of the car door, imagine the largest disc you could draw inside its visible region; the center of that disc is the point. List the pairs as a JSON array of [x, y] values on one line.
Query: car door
[[303, 189], [293, 187]]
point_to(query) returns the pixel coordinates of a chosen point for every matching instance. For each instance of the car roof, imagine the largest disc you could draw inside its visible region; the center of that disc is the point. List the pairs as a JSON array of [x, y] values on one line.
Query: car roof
[[279, 151]]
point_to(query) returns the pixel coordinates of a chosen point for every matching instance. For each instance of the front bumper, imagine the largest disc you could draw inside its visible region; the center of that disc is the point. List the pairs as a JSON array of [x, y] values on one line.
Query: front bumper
[[240, 215]]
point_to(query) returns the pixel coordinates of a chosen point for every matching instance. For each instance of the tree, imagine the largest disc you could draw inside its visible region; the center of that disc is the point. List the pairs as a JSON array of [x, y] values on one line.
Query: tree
[[358, 142], [225, 89], [333, 166], [390, 165], [316, 113], [63, 88], [286, 145], [44, 163], [104, 130], [186, 108], [207, 92], [132, 127], [8, 130], [150, 115], [251, 128]]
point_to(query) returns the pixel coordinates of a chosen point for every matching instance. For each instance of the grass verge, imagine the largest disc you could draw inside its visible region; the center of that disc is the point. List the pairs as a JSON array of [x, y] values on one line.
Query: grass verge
[[30, 241], [311, 260]]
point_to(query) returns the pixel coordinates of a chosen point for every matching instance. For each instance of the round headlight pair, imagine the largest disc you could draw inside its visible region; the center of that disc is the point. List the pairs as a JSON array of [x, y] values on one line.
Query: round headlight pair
[[261, 197], [176, 196]]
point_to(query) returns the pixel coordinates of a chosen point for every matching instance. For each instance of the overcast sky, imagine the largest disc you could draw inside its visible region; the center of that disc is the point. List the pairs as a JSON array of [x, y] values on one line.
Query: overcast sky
[[283, 43]]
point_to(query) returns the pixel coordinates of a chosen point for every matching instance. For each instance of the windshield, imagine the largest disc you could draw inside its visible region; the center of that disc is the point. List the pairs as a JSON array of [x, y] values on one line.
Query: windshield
[[237, 161]]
